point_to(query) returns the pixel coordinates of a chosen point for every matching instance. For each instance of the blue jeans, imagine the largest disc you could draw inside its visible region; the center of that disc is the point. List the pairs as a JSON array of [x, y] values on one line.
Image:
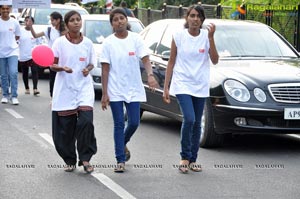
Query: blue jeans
[[122, 135], [192, 109], [9, 75]]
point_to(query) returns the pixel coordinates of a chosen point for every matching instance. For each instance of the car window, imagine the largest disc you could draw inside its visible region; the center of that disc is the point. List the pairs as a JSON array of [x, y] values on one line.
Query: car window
[[165, 44], [153, 36], [42, 16], [97, 30], [241, 41], [136, 26]]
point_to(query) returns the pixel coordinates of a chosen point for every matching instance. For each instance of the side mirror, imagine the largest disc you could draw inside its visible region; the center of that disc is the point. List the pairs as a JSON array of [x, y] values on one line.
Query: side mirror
[[165, 55], [21, 21]]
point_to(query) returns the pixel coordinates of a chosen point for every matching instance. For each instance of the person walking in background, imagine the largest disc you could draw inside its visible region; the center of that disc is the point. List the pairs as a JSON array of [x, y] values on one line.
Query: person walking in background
[[9, 34], [73, 96], [52, 33], [121, 81], [191, 52], [26, 44], [128, 12]]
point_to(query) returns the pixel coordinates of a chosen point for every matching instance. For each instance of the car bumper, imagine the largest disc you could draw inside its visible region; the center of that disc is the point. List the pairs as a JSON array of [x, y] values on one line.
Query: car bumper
[[96, 76], [240, 120]]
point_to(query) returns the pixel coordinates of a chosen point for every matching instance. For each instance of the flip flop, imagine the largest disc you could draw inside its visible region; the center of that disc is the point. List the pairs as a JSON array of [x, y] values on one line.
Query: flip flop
[[184, 166], [120, 168], [195, 167]]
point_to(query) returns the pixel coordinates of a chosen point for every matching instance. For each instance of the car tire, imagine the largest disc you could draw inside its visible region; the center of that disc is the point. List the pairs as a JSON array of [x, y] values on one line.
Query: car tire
[[209, 138]]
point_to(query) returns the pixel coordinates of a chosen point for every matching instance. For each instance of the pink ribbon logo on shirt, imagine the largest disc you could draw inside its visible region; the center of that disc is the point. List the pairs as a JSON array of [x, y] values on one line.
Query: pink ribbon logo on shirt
[[82, 59], [131, 53], [201, 50]]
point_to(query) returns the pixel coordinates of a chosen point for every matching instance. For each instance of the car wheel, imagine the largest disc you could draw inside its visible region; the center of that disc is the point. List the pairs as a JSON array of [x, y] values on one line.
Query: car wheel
[[209, 138]]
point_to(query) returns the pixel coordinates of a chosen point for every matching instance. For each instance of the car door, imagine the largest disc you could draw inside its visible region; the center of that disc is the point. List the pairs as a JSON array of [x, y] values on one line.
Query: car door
[[158, 40]]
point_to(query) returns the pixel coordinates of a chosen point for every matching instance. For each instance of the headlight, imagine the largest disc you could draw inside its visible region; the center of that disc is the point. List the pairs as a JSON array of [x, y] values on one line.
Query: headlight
[[260, 95], [237, 90]]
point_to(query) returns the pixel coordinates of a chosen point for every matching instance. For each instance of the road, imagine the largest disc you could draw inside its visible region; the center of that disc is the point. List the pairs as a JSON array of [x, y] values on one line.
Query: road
[[252, 166]]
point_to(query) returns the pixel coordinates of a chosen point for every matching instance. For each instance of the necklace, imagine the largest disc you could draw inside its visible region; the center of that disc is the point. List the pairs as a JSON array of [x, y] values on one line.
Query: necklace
[[76, 40]]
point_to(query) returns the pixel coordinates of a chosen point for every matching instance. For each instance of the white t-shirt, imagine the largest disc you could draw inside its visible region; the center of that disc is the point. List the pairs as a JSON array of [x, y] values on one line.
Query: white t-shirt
[[72, 90], [54, 34], [191, 73], [8, 31], [26, 43], [124, 78]]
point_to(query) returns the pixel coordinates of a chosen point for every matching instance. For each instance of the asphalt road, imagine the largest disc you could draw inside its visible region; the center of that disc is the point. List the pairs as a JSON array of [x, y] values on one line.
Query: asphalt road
[[252, 166]]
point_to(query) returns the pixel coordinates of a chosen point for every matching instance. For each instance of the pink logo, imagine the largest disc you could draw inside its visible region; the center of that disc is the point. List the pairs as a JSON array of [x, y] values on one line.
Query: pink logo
[[201, 50], [131, 53], [82, 59]]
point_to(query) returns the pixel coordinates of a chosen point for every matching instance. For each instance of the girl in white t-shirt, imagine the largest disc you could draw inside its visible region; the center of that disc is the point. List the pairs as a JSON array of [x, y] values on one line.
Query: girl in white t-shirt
[[188, 65], [53, 32], [26, 44], [9, 34], [73, 96], [121, 81]]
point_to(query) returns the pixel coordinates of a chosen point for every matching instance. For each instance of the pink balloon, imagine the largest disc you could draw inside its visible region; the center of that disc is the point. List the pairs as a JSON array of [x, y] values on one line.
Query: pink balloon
[[43, 55]]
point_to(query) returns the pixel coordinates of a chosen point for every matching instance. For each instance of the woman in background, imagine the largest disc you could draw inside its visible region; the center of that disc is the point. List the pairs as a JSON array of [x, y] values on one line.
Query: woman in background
[[56, 30], [26, 44]]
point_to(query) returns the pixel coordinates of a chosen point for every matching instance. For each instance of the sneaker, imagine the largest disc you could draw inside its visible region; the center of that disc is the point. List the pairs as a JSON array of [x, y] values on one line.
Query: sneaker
[[15, 101], [4, 100]]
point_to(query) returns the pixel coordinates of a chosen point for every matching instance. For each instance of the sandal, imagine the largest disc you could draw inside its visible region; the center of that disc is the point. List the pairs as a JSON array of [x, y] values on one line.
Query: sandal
[[184, 166], [120, 168], [69, 168], [27, 91], [36, 92], [195, 167], [88, 168], [127, 154]]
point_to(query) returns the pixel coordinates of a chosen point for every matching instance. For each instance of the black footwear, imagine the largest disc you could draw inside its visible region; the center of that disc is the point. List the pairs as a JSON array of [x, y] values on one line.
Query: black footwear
[[36, 92], [87, 167], [120, 168], [127, 154], [69, 168]]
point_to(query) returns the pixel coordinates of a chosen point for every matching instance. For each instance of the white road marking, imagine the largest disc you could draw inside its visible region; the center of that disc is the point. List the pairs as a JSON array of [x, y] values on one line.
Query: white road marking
[[14, 113], [294, 135], [47, 137], [113, 186], [117, 189]]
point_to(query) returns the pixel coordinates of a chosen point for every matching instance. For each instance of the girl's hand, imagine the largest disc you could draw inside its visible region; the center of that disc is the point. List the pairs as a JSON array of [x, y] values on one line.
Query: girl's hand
[[104, 101], [67, 69], [85, 72], [166, 96], [211, 30], [152, 83]]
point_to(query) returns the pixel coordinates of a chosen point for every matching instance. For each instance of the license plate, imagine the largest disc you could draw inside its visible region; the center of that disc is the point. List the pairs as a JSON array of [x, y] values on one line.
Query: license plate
[[292, 113]]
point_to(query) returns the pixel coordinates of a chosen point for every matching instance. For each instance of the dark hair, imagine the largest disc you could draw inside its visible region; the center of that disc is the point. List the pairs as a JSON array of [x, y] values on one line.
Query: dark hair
[[118, 11], [200, 11], [56, 15], [123, 4], [29, 17], [69, 14]]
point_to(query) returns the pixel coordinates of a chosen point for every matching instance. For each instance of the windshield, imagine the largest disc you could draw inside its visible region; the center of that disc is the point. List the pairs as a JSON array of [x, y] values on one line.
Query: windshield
[[42, 16], [245, 41], [97, 30]]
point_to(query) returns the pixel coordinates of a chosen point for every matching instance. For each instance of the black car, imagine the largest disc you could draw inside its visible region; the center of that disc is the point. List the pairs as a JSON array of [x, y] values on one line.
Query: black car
[[255, 87]]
